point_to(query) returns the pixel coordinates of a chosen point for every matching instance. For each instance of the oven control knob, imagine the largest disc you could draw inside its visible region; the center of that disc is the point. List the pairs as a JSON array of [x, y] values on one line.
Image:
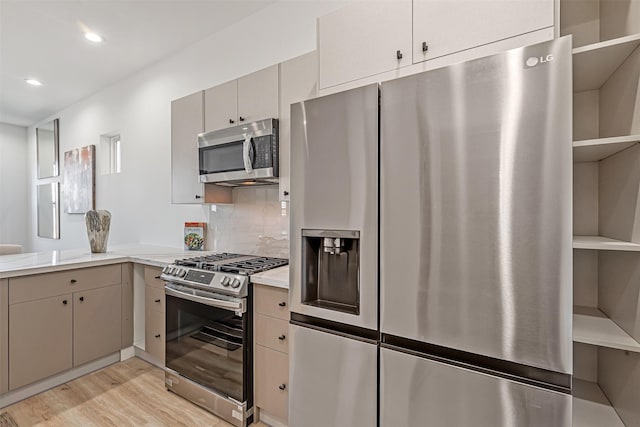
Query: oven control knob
[[166, 269], [181, 272], [235, 283], [225, 281]]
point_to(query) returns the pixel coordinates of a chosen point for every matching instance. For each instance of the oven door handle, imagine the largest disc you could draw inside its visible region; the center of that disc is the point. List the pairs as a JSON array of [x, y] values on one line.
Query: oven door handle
[[237, 307]]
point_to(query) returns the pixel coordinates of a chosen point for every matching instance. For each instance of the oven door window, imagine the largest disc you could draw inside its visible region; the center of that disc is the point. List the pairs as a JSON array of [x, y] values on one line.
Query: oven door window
[[206, 344]]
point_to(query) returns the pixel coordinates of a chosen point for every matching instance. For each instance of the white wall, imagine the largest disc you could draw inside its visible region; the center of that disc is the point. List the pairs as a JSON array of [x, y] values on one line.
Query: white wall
[[13, 185], [138, 107]]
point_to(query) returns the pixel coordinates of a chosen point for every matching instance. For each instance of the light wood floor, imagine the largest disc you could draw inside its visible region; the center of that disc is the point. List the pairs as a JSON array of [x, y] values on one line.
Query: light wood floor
[[129, 393]]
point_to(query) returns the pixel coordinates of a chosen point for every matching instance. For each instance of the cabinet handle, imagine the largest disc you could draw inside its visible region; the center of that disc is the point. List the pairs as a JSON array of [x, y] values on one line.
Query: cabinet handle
[[283, 304], [81, 299], [64, 302], [73, 281], [157, 300], [285, 192], [158, 336], [425, 47], [398, 54], [231, 121], [198, 196], [242, 119], [282, 337], [156, 277], [282, 386]]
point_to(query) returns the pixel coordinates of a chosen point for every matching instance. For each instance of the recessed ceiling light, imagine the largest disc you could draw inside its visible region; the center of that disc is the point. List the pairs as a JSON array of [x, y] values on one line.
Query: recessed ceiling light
[[33, 82], [93, 37]]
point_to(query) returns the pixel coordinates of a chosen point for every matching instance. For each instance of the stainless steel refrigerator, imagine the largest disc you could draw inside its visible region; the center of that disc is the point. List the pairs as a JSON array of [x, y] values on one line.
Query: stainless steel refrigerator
[[475, 242], [333, 363]]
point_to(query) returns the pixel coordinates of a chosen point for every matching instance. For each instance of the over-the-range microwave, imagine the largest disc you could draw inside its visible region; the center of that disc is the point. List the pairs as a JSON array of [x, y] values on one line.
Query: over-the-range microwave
[[240, 155]]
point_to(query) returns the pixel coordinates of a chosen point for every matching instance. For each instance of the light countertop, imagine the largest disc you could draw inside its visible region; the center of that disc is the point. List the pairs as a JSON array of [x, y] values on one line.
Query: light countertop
[[278, 277], [156, 256]]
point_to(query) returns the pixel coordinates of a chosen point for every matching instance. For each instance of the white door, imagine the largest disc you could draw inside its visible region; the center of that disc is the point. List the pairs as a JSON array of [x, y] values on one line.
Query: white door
[[363, 39], [221, 106], [258, 95], [442, 27]]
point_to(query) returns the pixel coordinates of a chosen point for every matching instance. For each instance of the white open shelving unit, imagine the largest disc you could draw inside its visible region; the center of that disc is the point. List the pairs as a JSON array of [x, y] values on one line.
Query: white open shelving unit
[[606, 199]]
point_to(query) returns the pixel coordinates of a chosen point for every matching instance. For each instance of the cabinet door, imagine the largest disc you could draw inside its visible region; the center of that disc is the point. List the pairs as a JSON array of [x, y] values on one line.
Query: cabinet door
[[221, 106], [40, 339], [154, 341], [186, 124], [298, 82], [362, 39], [272, 382], [448, 26], [96, 323], [258, 95]]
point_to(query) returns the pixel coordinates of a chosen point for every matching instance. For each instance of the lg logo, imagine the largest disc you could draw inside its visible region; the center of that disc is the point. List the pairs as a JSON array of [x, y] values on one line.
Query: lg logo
[[535, 60]]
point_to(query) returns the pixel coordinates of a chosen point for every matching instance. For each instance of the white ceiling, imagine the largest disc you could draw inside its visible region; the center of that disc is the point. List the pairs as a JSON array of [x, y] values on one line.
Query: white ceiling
[[45, 40]]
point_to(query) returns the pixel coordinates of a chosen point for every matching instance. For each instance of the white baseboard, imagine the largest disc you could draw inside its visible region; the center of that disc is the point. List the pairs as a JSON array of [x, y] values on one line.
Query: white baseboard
[[32, 389]]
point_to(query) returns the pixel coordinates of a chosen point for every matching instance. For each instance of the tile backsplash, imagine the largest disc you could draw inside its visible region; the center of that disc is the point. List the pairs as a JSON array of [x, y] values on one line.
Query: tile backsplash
[[256, 223]]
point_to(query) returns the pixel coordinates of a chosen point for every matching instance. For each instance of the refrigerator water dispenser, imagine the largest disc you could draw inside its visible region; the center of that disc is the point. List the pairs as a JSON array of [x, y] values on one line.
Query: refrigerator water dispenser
[[330, 269]]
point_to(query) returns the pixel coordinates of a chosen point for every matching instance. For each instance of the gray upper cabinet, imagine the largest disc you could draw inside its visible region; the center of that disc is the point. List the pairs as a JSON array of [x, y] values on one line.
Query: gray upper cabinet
[[363, 39], [221, 106], [247, 99], [186, 124], [442, 27], [366, 39], [298, 82]]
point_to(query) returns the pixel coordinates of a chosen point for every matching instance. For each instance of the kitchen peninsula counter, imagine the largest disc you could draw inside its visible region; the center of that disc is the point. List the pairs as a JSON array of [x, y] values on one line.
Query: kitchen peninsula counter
[[156, 256]]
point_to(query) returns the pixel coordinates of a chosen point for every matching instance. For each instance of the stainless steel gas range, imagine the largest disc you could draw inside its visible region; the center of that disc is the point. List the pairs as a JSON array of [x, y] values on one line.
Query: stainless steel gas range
[[209, 331]]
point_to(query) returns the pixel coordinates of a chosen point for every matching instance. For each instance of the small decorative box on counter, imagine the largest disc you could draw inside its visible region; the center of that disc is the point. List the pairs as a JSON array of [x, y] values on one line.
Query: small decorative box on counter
[[194, 236]]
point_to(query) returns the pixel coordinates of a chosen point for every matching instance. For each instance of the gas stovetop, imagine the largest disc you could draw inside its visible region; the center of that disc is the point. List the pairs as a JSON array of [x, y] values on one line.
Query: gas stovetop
[[224, 273]]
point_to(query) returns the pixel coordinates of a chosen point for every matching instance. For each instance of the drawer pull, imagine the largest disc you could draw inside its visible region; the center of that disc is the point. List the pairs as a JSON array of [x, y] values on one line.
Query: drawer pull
[[158, 301], [157, 277], [73, 281], [283, 304], [64, 302], [81, 299], [158, 336], [282, 337], [282, 386]]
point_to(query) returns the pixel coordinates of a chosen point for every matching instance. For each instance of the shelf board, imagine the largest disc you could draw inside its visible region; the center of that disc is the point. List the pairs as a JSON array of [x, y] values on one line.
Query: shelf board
[[603, 243], [591, 408], [592, 326], [595, 63], [592, 150]]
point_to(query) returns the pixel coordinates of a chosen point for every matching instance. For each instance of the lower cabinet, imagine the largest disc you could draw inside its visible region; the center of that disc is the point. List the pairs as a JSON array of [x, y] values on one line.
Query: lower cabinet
[[97, 325], [272, 382], [62, 320], [40, 339], [271, 353], [154, 315]]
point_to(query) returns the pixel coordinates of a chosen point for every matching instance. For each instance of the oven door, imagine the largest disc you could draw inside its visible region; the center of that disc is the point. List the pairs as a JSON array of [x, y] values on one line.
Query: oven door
[[208, 344]]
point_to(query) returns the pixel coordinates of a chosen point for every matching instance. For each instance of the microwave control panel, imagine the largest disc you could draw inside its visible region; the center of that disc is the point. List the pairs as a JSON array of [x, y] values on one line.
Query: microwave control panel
[[263, 152]]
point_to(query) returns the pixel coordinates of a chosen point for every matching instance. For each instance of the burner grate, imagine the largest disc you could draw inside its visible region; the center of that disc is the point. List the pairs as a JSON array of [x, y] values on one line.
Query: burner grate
[[253, 265]]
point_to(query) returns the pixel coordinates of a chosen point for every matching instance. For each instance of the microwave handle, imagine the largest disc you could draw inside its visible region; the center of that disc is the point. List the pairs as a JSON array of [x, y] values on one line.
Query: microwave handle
[[247, 153]]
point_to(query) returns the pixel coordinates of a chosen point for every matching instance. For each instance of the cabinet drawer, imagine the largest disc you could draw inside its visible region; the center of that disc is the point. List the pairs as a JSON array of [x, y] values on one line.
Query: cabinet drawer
[[272, 333], [154, 299], [154, 335], [272, 382], [152, 277], [38, 286], [272, 302]]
